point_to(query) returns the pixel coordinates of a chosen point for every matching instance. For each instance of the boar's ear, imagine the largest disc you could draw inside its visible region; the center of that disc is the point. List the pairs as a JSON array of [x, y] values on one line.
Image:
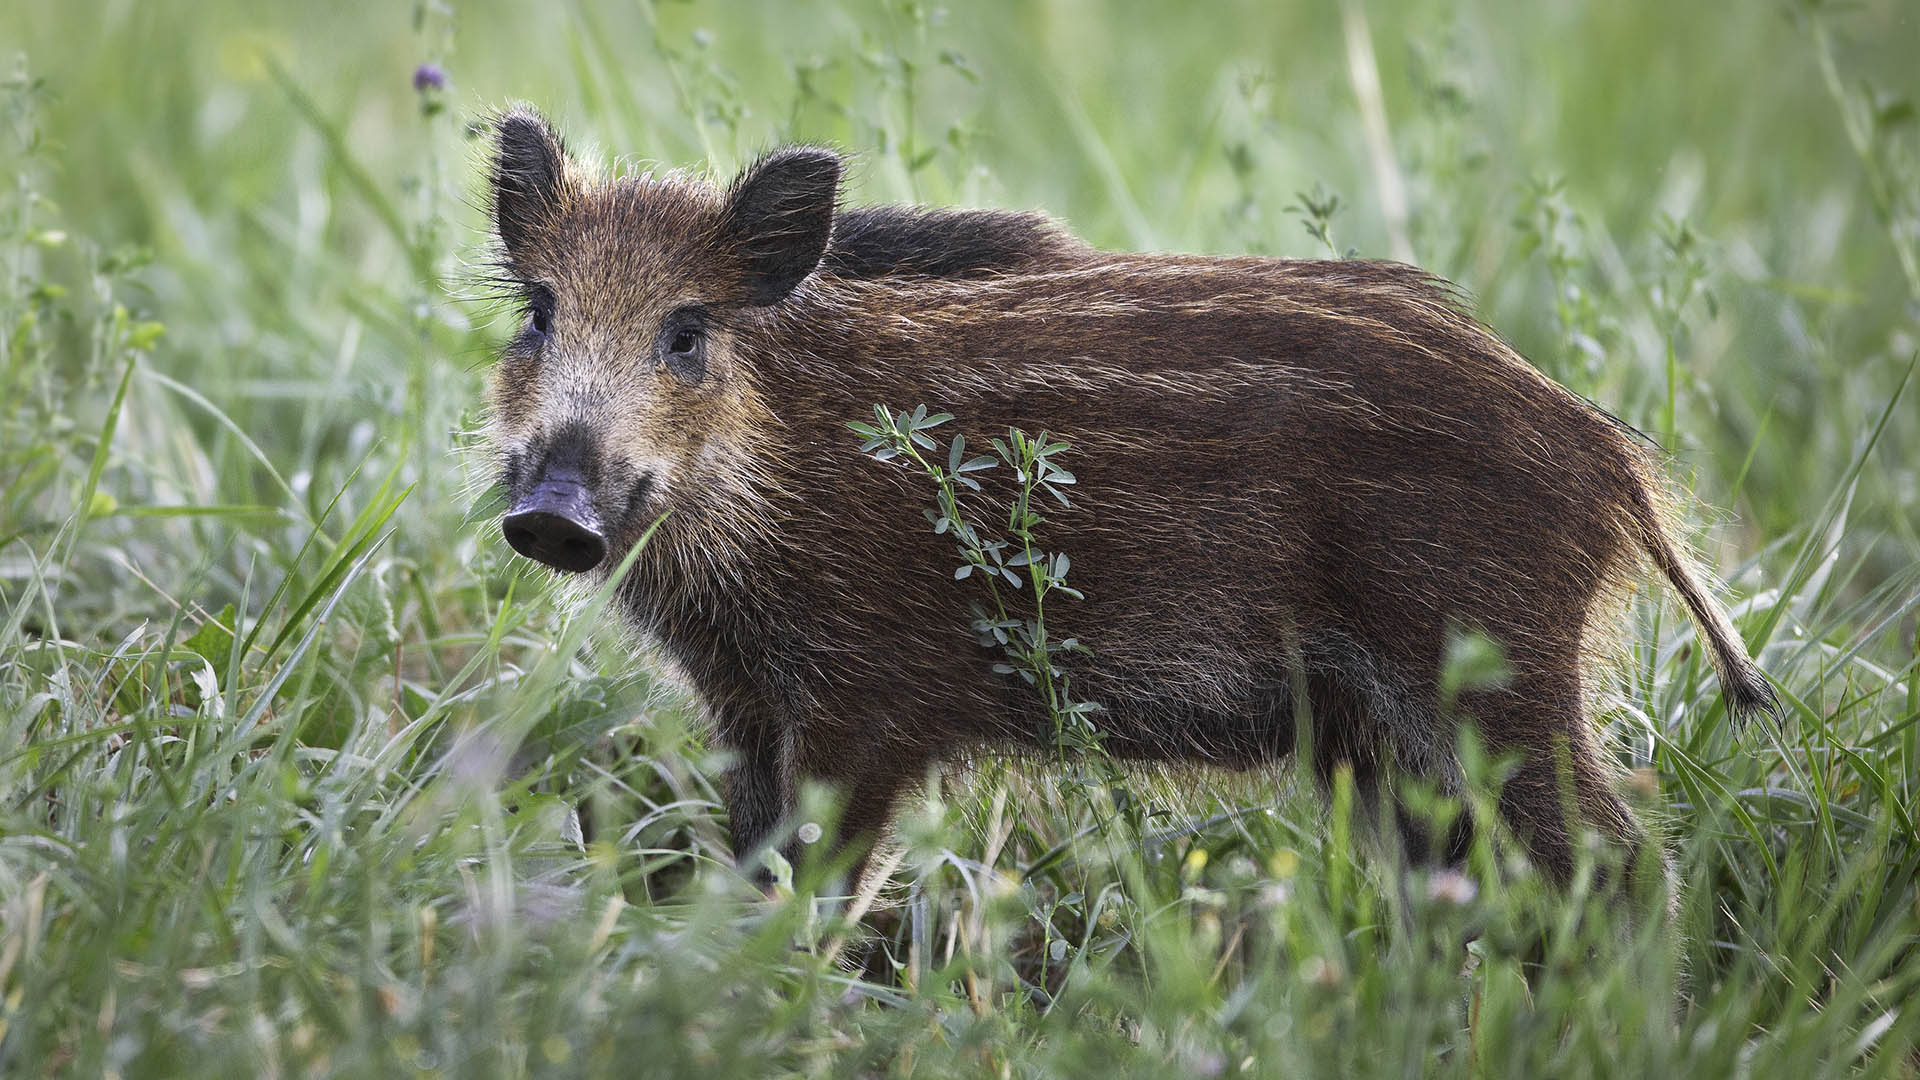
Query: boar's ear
[[779, 216], [529, 166]]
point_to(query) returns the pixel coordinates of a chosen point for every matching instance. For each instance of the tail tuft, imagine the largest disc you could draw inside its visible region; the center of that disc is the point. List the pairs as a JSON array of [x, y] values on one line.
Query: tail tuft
[[1748, 693]]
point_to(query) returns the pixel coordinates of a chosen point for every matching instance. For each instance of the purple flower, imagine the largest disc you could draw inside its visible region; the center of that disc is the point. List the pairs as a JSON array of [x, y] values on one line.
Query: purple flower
[[429, 76]]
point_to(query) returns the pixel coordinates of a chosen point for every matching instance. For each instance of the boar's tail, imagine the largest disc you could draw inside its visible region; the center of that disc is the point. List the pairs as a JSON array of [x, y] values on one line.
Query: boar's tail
[[1741, 681]]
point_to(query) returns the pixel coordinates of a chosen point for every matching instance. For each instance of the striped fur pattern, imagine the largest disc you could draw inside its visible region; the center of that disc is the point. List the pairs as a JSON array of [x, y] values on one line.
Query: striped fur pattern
[[1297, 479]]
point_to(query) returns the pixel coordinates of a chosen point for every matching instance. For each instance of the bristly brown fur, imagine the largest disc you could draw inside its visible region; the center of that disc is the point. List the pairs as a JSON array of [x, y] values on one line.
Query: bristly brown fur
[[1287, 469], [897, 241]]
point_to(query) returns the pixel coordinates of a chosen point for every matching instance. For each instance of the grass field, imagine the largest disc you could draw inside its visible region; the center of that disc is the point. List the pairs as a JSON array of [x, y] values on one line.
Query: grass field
[[290, 744]]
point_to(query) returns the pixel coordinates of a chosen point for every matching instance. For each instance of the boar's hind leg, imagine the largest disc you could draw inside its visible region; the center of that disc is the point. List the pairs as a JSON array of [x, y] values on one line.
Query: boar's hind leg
[[1562, 787]]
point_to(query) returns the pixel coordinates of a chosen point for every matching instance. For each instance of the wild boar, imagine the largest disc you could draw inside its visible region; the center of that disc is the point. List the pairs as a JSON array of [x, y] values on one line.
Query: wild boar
[[1296, 480]]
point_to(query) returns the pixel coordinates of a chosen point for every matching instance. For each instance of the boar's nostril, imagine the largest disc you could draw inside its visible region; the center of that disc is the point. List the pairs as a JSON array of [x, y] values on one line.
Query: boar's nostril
[[555, 539]]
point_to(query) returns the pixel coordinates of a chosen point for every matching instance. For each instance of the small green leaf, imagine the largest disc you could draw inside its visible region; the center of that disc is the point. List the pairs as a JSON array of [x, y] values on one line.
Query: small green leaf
[[142, 336], [214, 640]]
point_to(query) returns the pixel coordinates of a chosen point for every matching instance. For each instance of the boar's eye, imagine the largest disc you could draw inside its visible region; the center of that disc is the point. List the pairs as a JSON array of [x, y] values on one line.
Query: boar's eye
[[540, 312], [683, 344]]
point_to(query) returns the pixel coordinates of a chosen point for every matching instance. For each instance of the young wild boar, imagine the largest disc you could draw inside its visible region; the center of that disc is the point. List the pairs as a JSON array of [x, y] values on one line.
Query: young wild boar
[[1296, 481]]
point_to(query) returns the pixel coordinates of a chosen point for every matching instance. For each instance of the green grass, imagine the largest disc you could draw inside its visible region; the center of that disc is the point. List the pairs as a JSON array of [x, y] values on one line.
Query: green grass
[[289, 745]]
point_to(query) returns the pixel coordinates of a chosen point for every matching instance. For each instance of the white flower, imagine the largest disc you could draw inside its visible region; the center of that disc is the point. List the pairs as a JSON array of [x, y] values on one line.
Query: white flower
[[1451, 887]]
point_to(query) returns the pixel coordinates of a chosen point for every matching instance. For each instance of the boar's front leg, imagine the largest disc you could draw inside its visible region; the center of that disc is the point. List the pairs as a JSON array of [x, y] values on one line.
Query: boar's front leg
[[759, 781]]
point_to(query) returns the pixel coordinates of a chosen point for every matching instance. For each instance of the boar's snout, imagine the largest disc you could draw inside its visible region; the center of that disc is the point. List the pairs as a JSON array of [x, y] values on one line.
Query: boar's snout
[[554, 523]]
